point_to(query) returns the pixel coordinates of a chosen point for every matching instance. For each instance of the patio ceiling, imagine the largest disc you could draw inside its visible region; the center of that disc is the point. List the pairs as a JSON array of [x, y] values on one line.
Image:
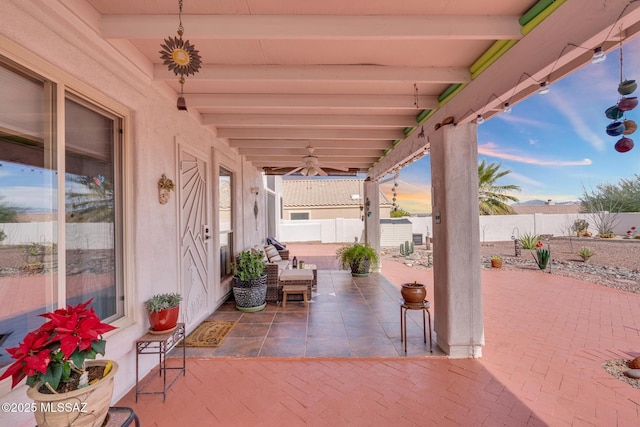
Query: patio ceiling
[[352, 78]]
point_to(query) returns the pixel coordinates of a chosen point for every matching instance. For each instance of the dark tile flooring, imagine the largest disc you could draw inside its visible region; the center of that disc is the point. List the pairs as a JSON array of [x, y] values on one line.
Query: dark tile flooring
[[347, 317]]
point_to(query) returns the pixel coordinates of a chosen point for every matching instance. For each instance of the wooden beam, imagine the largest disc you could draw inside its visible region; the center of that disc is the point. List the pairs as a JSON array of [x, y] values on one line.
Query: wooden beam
[[303, 143], [314, 27], [330, 102], [333, 134], [324, 73], [320, 152], [308, 120]]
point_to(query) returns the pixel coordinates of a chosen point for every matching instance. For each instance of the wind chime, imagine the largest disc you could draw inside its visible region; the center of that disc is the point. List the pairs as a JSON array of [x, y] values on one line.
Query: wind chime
[[181, 57], [622, 126], [394, 191]]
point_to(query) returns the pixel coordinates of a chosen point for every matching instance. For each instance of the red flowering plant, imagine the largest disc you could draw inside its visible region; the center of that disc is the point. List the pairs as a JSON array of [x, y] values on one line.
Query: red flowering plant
[[61, 345]]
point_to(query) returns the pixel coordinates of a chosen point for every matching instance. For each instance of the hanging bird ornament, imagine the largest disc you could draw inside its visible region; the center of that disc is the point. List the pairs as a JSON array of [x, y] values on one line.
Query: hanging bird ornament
[[620, 125]]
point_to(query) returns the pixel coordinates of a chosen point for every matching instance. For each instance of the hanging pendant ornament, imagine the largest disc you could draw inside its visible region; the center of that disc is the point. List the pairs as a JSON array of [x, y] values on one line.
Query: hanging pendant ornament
[[181, 57], [621, 125]]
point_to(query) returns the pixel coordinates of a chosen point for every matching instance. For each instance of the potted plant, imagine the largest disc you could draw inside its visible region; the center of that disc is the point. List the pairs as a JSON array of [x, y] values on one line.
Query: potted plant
[[249, 281], [358, 257], [67, 389], [163, 310], [496, 261]]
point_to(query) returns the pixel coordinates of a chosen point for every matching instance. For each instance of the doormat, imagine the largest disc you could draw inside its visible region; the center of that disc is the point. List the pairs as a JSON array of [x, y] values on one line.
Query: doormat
[[209, 333]]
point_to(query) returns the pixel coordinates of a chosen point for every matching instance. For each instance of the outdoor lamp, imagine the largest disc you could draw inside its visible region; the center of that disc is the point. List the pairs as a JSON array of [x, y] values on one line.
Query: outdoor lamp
[[598, 55]]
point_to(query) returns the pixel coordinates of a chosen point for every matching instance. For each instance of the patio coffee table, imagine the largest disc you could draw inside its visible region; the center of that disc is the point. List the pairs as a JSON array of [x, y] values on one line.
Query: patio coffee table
[[296, 281]]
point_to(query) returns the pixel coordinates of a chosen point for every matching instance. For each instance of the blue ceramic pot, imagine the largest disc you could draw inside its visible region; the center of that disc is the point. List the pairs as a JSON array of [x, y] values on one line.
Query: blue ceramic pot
[[615, 129]]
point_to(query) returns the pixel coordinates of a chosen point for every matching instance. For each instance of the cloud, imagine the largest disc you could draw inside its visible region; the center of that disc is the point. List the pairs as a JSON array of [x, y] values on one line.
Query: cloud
[[525, 179], [29, 197], [512, 118], [576, 118], [492, 150]]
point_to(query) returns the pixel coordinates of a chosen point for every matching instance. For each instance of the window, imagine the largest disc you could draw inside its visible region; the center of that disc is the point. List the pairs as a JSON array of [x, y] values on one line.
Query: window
[[225, 215], [299, 215], [40, 212]]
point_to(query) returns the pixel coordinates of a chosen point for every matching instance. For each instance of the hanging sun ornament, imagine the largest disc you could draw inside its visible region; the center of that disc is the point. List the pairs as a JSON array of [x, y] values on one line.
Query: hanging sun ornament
[[621, 126], [181, 57]]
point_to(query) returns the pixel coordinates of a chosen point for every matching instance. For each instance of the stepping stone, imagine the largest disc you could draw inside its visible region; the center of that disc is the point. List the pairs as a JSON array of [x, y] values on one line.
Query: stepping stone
[[633, 373]]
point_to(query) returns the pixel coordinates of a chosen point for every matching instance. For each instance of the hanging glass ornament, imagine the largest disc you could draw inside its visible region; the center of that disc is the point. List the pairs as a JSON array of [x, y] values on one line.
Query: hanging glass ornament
[[623, 145], [627, 87], [615, 129], [613, 113], [630, 127], [628, 104]]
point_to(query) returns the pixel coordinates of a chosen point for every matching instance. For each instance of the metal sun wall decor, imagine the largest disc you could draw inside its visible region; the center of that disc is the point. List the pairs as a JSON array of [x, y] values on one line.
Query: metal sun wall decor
[[181, 57], [621, 125]]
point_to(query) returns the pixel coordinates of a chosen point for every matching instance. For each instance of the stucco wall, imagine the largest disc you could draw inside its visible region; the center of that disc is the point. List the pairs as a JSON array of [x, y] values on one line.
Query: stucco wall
[[52, 41]]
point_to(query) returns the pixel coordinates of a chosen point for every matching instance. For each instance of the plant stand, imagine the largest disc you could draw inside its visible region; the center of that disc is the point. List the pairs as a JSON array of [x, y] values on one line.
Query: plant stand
[[161, 344]]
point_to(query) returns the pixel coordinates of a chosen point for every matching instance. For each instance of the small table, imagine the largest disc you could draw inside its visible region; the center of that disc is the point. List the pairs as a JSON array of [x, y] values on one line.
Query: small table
[[296, 281], [160, 344], [424, 306]]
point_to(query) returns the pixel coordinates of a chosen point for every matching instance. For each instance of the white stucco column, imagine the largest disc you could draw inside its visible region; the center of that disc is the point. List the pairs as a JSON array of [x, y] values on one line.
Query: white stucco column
[[456, 239], [372, 217]]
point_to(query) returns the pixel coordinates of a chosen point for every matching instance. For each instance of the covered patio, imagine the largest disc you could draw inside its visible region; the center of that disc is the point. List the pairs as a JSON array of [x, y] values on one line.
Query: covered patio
[[95, 123], [547, 337]]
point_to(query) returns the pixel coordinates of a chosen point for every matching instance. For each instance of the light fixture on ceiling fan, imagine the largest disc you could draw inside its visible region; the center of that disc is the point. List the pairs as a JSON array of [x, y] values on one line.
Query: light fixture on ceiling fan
[[311, 166]]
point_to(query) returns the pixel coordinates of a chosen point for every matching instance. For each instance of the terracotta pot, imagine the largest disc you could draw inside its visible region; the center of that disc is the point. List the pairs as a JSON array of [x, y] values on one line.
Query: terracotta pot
[[165, 319], [496, 263], [413, 293], [85, 407]]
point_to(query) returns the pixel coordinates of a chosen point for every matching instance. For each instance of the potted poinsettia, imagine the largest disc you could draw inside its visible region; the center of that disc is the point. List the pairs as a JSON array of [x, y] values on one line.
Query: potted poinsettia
[[53, 358]]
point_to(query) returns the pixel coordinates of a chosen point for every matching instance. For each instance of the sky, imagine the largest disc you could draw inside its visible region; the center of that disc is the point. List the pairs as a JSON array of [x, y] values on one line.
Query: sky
[[555, 145]]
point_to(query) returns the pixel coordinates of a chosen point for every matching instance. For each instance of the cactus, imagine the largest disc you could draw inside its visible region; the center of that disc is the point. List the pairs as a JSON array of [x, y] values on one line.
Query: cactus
[[406, 248]]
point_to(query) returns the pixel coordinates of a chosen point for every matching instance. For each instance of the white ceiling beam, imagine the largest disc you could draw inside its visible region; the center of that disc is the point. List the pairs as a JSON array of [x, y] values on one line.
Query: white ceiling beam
[[313, 27], [364, 162], [320, 152], [324, 73], [307, 120], [310, 134], [303, 143], [331, 102]]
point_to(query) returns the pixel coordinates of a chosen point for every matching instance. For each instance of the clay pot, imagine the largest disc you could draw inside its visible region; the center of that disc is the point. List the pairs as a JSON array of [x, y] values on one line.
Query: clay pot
[[165, 319], [413, 293], [496, 263]]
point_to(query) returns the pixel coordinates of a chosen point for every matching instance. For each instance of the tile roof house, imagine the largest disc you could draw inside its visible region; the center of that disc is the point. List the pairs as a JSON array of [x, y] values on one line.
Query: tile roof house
[[325, 199]]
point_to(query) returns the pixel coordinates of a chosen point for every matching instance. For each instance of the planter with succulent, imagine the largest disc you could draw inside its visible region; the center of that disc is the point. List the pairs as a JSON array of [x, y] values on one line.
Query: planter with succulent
[[496, 261], [165, 185], [249, 281], [163, 311], [581, 227], [358, 257], [67, 389]]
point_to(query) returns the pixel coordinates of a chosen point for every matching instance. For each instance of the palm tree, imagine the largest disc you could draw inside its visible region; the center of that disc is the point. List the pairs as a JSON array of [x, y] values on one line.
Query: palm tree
[[493, 198]]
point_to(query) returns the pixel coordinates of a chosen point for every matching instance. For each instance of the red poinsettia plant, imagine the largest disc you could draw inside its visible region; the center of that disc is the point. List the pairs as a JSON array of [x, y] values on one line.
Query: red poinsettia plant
[[60, 345]]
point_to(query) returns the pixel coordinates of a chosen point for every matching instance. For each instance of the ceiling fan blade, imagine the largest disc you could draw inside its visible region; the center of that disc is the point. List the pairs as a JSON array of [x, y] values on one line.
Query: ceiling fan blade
[[320, 171], [337, 168], [291, 172]]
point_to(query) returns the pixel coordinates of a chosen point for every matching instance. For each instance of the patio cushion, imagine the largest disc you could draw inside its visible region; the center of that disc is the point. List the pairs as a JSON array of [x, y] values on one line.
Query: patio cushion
[[259, 249], [296, 274], [272, 253]]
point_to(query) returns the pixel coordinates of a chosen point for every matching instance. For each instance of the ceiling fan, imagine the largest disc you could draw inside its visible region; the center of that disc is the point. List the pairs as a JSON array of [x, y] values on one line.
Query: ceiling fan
[[311, 166]]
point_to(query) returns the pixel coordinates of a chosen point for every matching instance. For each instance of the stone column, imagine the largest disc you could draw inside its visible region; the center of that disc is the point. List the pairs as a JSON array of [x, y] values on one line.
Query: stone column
[[456, 240], [372, 217]]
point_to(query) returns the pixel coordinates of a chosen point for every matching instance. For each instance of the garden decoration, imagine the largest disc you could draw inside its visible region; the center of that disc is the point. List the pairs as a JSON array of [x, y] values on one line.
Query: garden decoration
[[542, 256], [622, 126]]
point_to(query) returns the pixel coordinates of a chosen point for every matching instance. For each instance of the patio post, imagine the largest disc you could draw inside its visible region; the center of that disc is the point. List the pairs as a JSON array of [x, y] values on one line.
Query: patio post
[[372, 217], [456, 240]]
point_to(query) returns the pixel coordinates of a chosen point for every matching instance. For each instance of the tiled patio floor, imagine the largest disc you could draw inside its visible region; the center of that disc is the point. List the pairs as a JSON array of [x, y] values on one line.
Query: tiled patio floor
[[546, 337]]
